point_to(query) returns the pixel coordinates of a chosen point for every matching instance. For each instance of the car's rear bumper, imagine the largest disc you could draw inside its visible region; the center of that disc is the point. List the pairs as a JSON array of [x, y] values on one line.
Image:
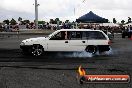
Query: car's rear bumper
[[103, 48]]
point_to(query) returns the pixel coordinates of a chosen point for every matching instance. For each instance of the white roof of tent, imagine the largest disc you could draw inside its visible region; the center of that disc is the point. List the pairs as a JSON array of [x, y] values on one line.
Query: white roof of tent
[[128, 24], [109, 24]]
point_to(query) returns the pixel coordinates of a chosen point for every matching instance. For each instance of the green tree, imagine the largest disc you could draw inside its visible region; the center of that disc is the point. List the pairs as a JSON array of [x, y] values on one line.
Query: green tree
[[52, 21], [13, 22], [60, 22], [56, 19], [20, 19], [114, 20], [129, 20], [67, 21], [41, 22], [6, 22], [123, 21], [26, 21]]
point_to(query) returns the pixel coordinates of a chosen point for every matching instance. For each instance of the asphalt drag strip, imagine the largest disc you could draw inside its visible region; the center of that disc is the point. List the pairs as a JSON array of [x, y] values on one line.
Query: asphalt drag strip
[[59, 70]]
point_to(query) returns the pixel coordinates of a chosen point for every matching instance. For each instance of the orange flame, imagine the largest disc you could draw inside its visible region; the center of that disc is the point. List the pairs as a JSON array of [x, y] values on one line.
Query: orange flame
[[81, 71]]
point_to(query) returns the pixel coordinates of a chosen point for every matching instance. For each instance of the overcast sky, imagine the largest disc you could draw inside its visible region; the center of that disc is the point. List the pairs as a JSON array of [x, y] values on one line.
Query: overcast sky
[[64, 9]]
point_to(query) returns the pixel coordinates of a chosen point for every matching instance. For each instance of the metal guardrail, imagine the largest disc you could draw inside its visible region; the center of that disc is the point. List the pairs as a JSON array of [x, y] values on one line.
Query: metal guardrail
[[27, 31]]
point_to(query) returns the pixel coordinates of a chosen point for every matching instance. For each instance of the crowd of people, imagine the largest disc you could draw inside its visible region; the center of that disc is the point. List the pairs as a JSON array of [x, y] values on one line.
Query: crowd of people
[[64, 26], [48, 26]]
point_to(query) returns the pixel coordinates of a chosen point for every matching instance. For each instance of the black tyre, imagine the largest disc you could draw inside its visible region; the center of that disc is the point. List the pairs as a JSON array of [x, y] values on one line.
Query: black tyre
[[91, 49], [37, 50]]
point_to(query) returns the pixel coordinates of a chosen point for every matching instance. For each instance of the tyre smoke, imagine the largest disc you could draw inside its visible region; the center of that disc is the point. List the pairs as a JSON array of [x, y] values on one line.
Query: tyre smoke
[[80, 54], [85, 54]]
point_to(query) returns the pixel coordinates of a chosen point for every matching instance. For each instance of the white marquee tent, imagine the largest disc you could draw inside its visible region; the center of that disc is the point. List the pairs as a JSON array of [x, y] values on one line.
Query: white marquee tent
[[109, 24], [128, 24]]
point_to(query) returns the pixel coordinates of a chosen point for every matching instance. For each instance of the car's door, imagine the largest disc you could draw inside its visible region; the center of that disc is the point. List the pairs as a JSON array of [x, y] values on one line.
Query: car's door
[[77, 43], [58, 42]]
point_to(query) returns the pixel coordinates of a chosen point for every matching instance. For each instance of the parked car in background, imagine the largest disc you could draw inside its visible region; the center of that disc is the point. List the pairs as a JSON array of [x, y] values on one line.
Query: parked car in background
[[67, 40]]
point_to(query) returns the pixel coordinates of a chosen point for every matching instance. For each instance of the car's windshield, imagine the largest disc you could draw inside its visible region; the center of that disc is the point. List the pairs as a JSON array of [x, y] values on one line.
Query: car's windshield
[[49, 36]]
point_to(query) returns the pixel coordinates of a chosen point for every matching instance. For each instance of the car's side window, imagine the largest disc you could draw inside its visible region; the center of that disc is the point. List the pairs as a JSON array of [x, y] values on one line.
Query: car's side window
[[78, 35], [75, 35], [100, 36], [95, 35], [84, 35], [91, 35]]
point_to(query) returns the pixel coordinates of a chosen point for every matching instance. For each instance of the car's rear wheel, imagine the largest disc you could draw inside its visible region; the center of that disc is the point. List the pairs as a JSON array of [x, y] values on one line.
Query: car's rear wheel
[[91, 49], [37, 50]]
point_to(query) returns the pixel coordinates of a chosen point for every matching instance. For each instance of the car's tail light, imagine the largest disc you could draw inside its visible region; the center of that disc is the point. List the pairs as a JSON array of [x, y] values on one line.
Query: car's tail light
[[109, 42]]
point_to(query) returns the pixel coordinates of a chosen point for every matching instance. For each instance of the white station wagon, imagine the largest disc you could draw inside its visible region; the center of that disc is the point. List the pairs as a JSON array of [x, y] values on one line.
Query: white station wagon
[[68, 40]]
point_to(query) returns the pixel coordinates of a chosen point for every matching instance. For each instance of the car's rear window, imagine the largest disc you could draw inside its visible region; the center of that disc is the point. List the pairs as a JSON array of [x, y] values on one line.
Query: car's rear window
[[91, 35], [75, 35]]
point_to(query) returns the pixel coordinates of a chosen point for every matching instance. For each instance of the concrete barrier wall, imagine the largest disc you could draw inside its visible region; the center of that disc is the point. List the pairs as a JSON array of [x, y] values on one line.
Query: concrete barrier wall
[[30, 31]]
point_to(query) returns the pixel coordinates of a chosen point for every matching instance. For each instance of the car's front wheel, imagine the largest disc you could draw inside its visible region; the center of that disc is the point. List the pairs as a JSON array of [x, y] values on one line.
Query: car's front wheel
[[37, 50]]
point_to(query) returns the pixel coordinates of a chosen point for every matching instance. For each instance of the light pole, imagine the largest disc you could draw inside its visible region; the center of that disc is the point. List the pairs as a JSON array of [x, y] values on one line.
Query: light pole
[[75, 13], [84, 0], [36, 14]]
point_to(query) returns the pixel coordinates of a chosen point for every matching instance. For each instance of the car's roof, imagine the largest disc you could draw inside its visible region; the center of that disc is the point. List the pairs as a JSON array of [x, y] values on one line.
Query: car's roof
[[78, 30]]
